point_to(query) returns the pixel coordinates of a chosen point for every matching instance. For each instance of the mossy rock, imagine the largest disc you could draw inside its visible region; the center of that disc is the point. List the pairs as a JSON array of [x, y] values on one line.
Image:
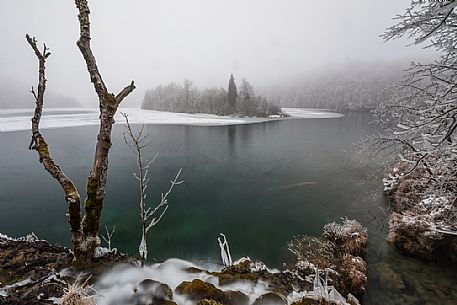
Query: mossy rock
[[241, 271], [208, 302], [195, 270], [198, 290], [270, 299], [309, 301]]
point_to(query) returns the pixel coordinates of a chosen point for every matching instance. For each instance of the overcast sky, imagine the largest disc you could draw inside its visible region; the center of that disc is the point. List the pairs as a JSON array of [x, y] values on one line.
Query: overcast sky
[[157, 41]]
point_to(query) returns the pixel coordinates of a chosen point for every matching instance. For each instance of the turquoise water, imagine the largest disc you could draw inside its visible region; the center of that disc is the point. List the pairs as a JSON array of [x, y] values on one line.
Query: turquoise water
[[259, 184]]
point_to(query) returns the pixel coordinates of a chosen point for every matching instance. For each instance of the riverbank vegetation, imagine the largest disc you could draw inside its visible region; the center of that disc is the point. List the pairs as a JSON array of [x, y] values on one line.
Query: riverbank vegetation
[[419, 125]]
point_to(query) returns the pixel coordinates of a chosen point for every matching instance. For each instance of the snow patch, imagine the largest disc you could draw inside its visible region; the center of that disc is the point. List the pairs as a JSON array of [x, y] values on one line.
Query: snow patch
[[19, 119]]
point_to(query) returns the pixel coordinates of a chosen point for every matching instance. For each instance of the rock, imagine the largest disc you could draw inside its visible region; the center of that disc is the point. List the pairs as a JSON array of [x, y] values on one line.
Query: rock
[[270, 299], [151, 292], [198, 290], [29, 267], [310, 301], [208, 302], [32, 264], [388, 279], [353, 276], [21, 259], [414, 235], [417, 214], [338, 252], [348, 238], [241, 271], [194, 270]]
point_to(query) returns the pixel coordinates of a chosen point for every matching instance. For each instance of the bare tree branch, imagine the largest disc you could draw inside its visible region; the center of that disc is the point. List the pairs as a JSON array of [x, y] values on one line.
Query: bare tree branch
[[149, 217], [39, 144], [108, 104]]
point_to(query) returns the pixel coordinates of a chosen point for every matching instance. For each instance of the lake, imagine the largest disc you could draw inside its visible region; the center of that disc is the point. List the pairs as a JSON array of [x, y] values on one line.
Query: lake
[[259, 184]]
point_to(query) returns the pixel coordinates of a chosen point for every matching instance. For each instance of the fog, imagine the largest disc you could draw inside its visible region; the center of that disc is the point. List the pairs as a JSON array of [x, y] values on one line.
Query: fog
[[156, 42]]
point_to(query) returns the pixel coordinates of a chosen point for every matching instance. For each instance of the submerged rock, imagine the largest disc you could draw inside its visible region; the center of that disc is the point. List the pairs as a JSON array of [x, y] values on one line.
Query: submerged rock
[[387, 278]]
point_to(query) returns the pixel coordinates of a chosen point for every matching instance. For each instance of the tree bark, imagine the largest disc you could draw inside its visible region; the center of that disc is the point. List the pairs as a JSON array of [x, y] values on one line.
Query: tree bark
[[38, 143], [85, 230], [108, 104]]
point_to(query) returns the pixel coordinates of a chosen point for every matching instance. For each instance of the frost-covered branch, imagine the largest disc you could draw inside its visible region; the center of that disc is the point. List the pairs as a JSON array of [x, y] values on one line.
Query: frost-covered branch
[[150, 217], [108, 236], [419, 139], [225, 250]]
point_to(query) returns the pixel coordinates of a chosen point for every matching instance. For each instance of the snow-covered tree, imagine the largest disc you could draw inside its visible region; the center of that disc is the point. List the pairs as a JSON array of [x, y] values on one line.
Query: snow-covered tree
[[420, 121], [247, 101], [232, 92], [422, 118], [188, 98]]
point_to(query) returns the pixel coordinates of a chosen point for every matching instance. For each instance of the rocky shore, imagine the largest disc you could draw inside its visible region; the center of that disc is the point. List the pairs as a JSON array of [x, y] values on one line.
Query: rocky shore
[[326, 270], [422, 222]]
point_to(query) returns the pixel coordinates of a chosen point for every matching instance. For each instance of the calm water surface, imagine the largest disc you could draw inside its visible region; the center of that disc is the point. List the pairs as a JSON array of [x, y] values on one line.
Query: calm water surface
[[259, 184]]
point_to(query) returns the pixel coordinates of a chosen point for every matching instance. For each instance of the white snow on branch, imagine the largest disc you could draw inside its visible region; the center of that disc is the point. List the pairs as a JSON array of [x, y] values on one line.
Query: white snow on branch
[[225, 250]]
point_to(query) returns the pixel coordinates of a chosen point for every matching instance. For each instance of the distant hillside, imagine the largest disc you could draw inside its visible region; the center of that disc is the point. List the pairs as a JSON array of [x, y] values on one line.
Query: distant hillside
[[17, 95], [356, 85]]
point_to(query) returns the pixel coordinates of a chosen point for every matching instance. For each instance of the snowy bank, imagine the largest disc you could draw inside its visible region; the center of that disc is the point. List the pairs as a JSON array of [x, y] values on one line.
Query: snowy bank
[[19, 119], [422, 221]]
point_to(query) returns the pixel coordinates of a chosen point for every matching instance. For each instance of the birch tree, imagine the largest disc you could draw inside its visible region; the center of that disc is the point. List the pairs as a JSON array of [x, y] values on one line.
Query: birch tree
[[84, 226]]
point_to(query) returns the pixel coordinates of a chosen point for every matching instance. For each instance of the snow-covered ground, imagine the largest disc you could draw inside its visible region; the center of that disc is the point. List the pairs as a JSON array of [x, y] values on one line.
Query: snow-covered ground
[[19, 119]]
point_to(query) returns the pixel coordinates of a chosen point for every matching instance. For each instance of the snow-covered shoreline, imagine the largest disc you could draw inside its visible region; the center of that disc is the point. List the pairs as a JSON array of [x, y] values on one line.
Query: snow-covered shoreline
[[19, 119]]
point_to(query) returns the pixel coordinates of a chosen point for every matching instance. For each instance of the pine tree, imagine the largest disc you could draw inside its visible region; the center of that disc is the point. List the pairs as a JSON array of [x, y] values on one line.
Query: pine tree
[[232, 93]]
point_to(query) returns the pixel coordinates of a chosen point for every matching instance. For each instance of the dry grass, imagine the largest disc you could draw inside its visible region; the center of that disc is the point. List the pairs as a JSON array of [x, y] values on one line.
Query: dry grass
[[78, 294]]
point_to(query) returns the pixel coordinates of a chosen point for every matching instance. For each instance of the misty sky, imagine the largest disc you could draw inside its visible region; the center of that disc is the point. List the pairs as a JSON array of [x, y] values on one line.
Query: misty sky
[[157, 41]]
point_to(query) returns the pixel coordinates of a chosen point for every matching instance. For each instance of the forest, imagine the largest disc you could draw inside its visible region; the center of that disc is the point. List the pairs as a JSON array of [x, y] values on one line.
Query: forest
[[352, 86], [189, 99]]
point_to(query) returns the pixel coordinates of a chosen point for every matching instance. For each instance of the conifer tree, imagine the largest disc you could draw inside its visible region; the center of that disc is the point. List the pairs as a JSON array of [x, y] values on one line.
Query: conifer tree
[[232, 93]]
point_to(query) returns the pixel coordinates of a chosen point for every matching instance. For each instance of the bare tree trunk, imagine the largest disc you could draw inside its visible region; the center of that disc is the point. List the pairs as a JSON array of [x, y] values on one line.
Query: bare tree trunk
[[39, 144], [108, 104], [84, 230]]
